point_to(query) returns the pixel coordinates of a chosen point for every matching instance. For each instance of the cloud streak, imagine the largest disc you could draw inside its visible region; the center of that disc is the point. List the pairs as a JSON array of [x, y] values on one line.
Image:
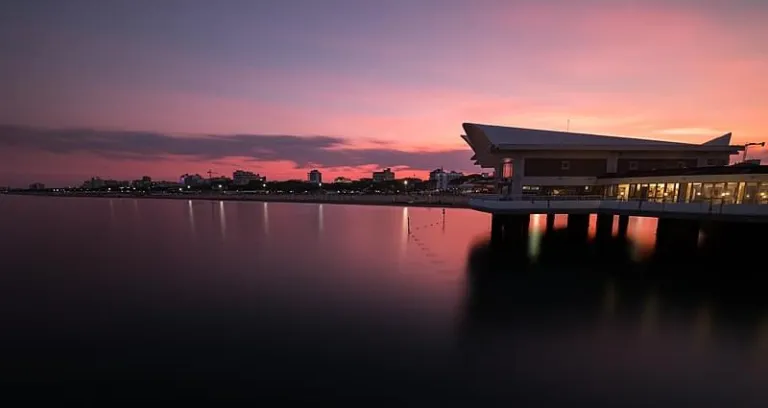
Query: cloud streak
[[303, 151]]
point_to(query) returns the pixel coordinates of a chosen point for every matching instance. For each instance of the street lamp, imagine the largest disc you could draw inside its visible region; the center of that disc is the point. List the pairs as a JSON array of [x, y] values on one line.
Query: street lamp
[[746, 147]]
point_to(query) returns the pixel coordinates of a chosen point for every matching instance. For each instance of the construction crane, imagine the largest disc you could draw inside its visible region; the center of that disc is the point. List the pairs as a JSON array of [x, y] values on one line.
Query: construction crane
[[211, 173], [746, 147]]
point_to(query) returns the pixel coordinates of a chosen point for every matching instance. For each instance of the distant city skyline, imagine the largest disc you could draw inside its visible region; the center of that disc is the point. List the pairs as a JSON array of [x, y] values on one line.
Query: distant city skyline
[[353, 86]]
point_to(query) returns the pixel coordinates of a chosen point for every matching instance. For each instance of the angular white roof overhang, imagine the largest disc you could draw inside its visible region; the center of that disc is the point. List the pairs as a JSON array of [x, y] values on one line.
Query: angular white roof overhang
[[487, 138]]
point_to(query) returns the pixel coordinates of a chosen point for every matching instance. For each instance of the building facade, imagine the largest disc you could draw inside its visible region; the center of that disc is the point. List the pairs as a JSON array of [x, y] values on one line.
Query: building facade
[[545, 162], [192, 180], [384, 175], [441, 179], [242, 177], [738, 184], [315, 177]]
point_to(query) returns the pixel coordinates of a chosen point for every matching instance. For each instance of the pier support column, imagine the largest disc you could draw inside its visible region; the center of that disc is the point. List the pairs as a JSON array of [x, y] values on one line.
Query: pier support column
[[516, 226], [578, 226], [676, 238], [604, 225], [623, 225], [497, 228], [742, 239], [550, 222]]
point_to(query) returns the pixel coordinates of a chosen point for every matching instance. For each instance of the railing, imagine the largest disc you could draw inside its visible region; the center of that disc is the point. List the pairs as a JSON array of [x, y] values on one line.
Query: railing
[[611, 204], [534, 198]]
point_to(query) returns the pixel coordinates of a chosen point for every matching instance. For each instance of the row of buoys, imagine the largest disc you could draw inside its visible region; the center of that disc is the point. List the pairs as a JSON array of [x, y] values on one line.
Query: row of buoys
[[421, 245]]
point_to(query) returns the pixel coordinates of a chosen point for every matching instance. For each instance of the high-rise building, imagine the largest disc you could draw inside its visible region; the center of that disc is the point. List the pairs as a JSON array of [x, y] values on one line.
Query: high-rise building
[[384, 175], [315, 177], [242, 177]]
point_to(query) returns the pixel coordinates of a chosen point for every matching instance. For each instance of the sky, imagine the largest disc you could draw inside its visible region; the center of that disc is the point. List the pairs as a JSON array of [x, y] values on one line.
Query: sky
[[120, 89]]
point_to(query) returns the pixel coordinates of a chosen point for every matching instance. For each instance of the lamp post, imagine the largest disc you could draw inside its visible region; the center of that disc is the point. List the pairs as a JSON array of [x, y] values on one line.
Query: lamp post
[[746, 147]]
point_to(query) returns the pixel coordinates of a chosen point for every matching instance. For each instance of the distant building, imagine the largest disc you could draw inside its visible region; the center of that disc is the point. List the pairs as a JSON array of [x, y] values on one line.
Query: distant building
[[242, 177], [192, 180], [37, 186], [116, 183], [315, 177], [342, 180], [94, 183], [144, 183], [219, 183], [384, 175], [442, 179]]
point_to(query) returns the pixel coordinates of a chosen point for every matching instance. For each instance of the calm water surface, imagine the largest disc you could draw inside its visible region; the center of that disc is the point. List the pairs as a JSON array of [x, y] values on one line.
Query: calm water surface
[[130, 299]]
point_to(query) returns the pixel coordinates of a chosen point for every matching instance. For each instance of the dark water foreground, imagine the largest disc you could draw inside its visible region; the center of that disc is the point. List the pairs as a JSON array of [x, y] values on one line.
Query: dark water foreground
[[152, 299]]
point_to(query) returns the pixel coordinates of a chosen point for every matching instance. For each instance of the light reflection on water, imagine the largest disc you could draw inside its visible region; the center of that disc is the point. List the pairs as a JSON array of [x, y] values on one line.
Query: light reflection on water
[[246, 299]]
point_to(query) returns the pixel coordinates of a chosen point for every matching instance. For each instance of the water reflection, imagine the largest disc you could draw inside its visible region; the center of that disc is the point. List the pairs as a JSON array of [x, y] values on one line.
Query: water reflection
[[537, 229], [265, 217], [111, 209], [191, 216], [222, 219], [552, 318], [667, 316], [320, 219]]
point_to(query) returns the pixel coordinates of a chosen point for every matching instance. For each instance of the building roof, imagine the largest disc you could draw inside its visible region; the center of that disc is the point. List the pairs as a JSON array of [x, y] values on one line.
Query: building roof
[[514, 138]]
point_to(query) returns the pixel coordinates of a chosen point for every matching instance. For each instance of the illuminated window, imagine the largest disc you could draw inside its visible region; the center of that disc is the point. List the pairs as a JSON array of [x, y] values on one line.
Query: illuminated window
[[751, 194], [762, 194], [506, 170], [697, 192]]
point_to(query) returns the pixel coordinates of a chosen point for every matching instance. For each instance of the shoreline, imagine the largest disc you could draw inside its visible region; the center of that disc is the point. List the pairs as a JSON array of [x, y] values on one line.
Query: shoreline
[[382, 200]]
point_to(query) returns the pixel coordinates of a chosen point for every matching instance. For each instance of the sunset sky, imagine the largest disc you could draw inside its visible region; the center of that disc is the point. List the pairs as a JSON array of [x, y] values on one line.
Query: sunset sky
[[120, 89]]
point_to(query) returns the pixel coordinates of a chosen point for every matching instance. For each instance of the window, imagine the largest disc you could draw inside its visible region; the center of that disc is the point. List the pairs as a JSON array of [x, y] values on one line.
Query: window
[[565, 165], [696, 192], [751, 194], [718, 193], [730, 194], [506, 170], [633, 165], [670, 193], [762, 195]]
